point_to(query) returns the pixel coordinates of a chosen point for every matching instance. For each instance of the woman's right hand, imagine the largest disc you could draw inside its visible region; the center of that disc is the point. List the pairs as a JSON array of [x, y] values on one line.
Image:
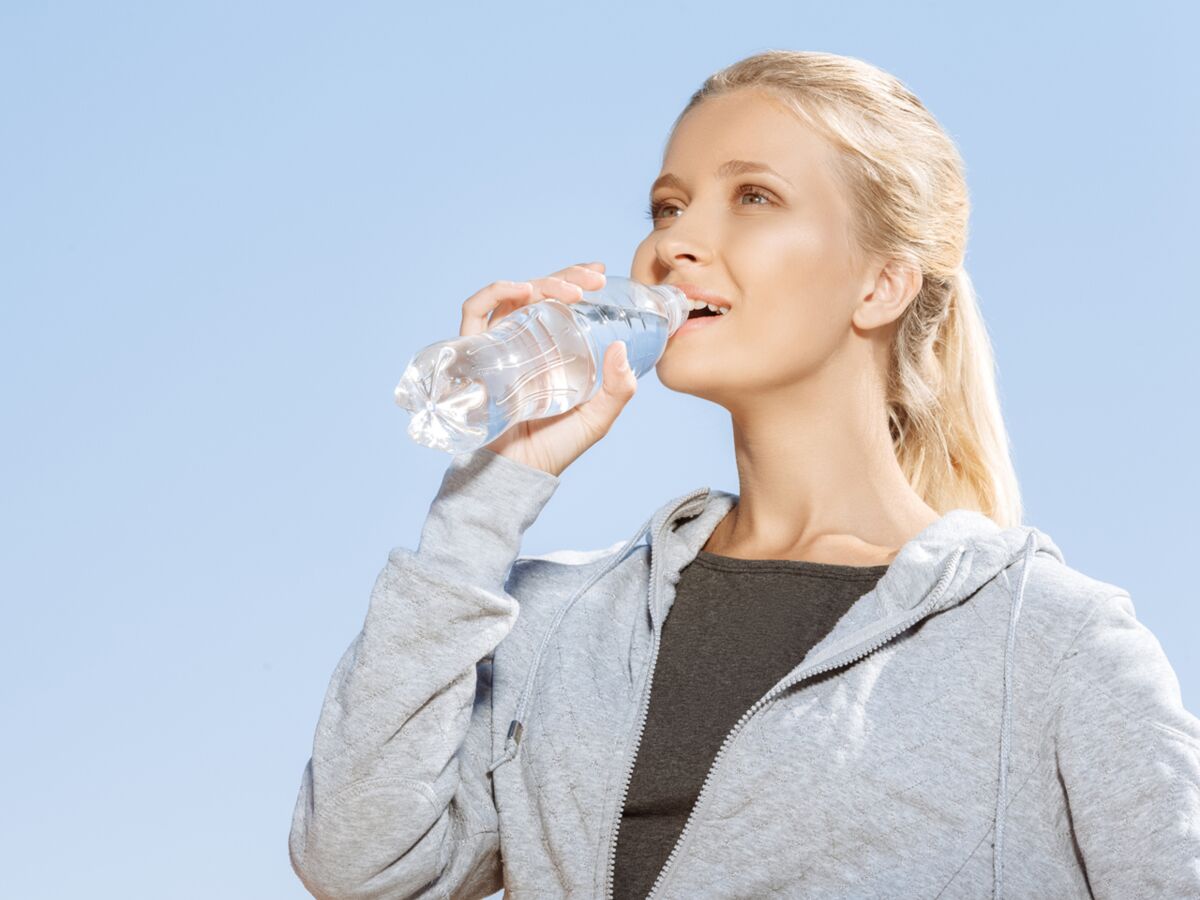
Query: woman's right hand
[[553, 443]]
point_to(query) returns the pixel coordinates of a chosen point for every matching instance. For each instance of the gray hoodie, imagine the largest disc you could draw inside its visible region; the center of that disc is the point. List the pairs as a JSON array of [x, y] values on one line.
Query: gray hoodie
[[985, 722]]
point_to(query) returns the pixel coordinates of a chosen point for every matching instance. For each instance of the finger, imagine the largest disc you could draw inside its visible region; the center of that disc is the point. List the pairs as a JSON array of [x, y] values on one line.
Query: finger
[[586, 275], [558, 288], [481, 304], [616, 390], [621, 366], [580, 268], [619, 381], [568, 290]]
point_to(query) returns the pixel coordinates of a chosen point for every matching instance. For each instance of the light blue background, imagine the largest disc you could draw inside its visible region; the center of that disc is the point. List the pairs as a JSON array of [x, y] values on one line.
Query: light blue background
[[225, 228]]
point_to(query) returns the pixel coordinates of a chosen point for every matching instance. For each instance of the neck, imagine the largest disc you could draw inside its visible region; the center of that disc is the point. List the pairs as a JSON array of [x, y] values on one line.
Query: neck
[[818, 478]]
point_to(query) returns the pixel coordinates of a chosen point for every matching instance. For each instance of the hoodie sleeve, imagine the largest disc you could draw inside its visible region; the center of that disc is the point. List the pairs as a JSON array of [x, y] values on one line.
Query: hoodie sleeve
[[395, 800], [1129, 756]]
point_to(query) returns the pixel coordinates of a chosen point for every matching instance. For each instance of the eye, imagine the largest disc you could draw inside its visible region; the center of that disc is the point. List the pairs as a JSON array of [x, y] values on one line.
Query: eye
[[655, 209], [749, 190]]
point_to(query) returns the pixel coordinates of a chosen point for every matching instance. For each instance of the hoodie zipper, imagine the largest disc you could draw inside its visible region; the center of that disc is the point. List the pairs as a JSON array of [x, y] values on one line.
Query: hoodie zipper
[[853, 655], [642, 709]]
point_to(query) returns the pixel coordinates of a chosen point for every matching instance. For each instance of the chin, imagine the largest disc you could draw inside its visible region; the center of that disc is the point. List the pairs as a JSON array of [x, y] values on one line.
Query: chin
[[697, 377]]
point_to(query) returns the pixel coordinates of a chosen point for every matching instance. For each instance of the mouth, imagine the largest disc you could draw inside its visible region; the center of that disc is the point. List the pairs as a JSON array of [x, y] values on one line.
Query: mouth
[[707, 309], [704, 303]]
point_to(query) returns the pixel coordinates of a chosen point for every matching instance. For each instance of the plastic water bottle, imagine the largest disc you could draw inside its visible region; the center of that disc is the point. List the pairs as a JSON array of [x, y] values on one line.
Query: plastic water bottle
[[540, 360]]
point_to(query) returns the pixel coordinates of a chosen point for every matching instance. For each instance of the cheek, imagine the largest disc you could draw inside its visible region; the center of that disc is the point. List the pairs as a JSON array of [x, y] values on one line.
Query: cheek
[[789, 281], [792, 282], [781, 256], [779, 342]]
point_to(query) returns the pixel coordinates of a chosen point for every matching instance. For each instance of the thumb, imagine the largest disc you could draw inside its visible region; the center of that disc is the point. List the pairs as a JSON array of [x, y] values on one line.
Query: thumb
[[618, 386], [618, 374]]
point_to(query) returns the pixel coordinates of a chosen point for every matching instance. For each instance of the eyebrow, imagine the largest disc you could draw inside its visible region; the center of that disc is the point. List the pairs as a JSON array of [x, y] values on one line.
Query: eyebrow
[[724, 170]]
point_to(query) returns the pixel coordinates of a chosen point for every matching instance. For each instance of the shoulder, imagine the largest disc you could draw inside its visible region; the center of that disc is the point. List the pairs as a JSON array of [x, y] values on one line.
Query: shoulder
[[1103, 648], [1105, 664], [1114, 668], [1056, 601], [1061, 590]]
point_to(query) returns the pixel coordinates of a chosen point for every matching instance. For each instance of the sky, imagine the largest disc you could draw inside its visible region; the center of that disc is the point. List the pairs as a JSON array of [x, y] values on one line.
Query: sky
[[226, 227]]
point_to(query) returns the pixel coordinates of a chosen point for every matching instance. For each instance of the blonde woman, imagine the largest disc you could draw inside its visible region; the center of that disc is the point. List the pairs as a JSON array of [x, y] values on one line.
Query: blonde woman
[[860, 676]]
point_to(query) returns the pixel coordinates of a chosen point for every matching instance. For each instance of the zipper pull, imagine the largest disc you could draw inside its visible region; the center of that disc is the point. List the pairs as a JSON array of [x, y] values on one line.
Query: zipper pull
[[511, 742]]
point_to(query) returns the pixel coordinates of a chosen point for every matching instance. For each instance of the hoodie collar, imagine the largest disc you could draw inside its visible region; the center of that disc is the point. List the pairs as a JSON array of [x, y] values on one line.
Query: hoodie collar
[[682, 526]]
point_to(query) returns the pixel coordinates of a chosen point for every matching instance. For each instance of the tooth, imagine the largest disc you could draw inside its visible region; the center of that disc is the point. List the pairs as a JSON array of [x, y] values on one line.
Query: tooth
[[700, 304]]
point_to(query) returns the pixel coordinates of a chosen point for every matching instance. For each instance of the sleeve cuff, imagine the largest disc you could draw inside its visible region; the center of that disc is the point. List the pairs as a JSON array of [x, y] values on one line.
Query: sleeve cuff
[[475, 523]]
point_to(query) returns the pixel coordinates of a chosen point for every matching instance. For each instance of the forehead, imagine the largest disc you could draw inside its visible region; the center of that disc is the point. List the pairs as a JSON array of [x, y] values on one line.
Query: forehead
[[751, 125]]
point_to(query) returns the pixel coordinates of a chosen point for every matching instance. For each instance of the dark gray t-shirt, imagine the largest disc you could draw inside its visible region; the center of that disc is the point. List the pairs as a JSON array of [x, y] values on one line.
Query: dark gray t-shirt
[[736, 627]]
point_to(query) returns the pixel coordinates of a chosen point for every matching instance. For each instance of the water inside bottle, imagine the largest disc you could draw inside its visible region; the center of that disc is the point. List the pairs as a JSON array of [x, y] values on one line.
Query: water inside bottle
[[531, 370]]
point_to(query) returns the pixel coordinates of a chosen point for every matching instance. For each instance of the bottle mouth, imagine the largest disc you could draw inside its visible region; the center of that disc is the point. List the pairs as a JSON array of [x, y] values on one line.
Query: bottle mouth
[[675, 303]]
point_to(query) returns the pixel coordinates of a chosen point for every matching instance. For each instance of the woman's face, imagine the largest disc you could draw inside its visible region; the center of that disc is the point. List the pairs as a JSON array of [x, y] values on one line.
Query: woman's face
[[773, 244]]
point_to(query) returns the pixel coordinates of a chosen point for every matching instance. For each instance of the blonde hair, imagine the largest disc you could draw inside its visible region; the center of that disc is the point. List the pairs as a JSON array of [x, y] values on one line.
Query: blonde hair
[[905, 180]]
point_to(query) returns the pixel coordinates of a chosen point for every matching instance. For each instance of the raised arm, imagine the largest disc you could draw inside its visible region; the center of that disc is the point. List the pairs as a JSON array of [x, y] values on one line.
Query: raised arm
[[395, 800]]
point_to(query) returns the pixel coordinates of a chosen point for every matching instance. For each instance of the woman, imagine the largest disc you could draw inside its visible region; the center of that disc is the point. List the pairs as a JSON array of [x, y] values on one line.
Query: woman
[[873, 681]]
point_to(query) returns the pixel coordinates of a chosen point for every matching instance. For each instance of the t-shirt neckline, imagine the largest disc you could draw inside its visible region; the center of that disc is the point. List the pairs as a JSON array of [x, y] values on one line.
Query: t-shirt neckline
[[841, 570]]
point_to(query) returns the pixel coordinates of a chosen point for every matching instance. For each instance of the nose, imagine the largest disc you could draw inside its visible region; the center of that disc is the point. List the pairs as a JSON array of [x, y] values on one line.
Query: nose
[[681, 246]]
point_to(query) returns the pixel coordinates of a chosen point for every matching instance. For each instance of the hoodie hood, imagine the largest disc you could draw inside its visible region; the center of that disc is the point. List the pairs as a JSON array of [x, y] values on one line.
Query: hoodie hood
[[986, 550]]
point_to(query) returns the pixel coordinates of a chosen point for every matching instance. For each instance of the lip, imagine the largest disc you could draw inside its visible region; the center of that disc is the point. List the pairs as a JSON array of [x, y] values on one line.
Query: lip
[[698, 324], [695, 292]]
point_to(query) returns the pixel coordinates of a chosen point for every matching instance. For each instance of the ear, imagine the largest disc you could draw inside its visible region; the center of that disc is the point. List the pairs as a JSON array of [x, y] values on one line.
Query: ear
[[896, 285]]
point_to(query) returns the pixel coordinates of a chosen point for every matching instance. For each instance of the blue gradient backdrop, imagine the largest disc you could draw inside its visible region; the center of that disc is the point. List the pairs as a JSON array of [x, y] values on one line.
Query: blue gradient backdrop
[[225, 227]]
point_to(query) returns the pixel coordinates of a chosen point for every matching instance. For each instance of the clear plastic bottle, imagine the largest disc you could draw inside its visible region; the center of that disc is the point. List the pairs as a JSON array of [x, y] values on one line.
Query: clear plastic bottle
[[537, 361]]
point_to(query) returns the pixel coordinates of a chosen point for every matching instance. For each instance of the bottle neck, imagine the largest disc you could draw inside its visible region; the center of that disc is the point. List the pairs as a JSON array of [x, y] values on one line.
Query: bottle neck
[[673, 303]]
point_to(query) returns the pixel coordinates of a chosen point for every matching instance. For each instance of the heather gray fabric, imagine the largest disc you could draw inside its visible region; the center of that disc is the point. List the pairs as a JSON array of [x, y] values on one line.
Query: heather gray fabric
[[737, 626], [986, 721]]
